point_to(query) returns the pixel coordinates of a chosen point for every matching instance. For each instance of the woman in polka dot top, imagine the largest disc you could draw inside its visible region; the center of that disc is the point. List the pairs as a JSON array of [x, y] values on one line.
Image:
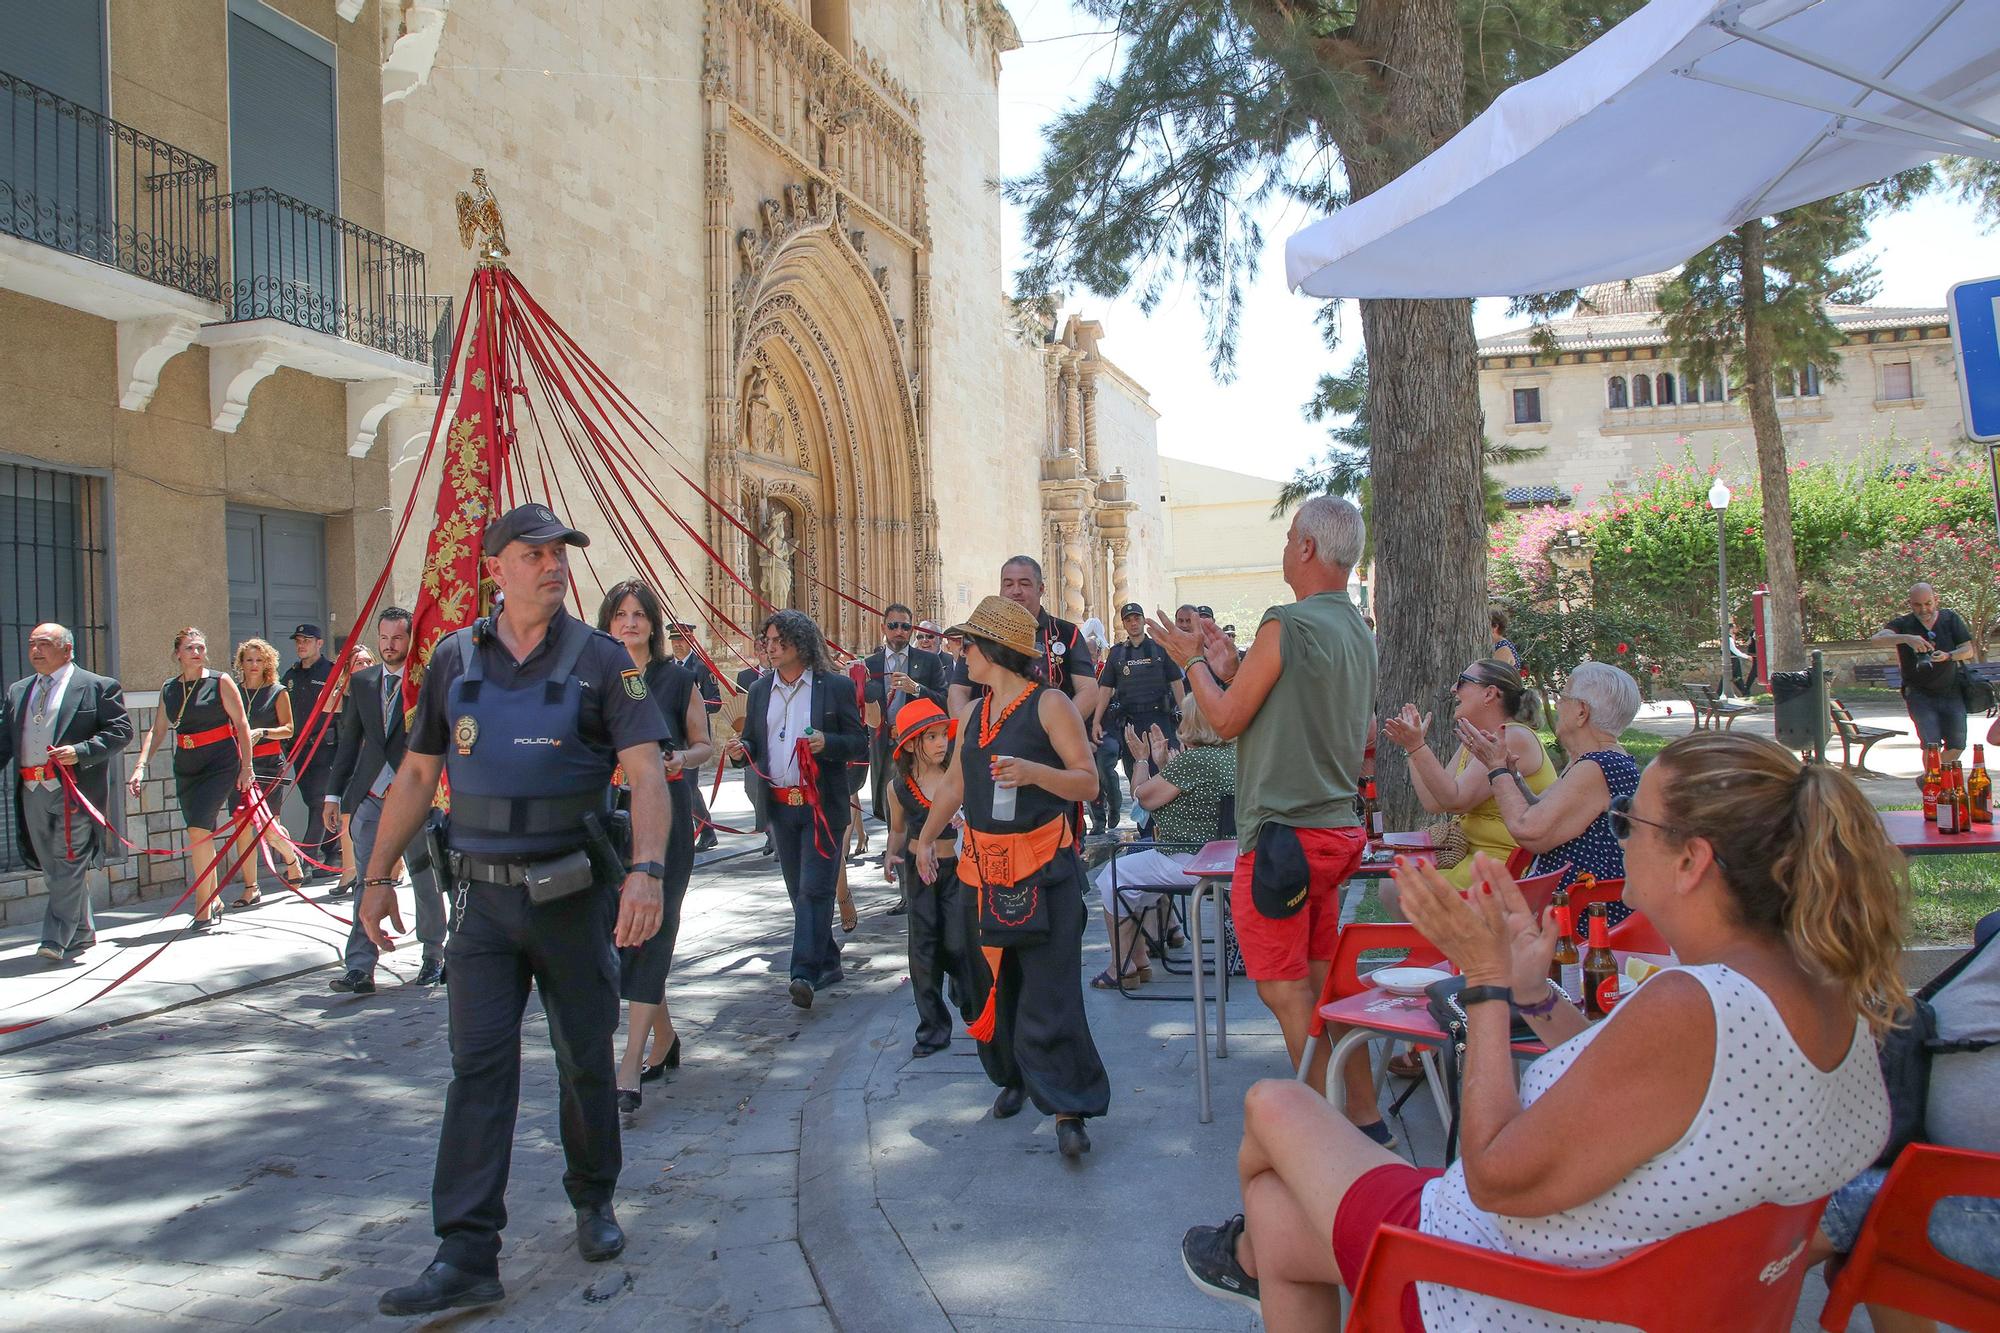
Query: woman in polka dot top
[[1745, 1075]]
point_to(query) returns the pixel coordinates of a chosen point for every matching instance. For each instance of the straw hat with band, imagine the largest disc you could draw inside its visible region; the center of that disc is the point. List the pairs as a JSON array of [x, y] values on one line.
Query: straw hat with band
[[1000, 621], [915, 718]]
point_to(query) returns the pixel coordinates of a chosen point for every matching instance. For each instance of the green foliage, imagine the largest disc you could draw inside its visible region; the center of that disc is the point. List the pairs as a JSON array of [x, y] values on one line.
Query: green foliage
[[1864, 531], [1553, 635]]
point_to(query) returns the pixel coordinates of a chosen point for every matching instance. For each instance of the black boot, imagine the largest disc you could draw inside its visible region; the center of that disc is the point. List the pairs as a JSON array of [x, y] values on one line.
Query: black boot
[[441, 1287], [1009, 1102], [598, 1236]]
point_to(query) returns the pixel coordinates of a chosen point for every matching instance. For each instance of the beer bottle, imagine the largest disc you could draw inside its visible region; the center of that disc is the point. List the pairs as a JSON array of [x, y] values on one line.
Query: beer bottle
[[1372, 806], [1559, 903], [1964, 797], [1566, 969], [1979, 786], [1600, 967], [1932, 785], [1947, 804]]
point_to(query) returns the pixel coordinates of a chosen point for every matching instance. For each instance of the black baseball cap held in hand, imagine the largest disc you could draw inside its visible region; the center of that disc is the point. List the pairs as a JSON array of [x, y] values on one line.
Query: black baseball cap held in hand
[[529, 523]]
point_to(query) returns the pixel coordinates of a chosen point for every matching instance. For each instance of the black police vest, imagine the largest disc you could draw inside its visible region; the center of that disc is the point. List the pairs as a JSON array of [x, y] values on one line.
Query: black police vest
[[1140, 679], [521, 777]]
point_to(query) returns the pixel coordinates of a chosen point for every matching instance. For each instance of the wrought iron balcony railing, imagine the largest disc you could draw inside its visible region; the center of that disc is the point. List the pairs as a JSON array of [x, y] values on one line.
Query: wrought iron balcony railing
[[87, 185], [298, 263]]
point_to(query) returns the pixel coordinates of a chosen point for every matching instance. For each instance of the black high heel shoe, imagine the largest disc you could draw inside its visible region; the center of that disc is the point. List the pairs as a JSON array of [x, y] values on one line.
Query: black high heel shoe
[[671, 1060]]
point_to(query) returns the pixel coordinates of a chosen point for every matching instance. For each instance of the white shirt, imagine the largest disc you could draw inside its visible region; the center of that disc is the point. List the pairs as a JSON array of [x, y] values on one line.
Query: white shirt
[[785, 721]]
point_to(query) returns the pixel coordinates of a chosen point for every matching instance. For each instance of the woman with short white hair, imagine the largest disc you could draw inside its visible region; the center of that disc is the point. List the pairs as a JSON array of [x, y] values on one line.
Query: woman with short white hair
[[1568, 827]]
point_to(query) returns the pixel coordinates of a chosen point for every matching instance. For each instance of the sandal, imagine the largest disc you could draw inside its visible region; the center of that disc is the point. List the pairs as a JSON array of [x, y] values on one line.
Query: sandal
[[1106, 981], [1406, 1065], [252, 899]]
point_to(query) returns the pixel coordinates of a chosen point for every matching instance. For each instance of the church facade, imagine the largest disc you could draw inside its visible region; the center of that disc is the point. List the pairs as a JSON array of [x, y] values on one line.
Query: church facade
[[772, 222]]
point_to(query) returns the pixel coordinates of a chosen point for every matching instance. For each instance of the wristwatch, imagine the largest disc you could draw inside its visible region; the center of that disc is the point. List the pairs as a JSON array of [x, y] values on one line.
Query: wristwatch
[[1472, 995], [652, 868]]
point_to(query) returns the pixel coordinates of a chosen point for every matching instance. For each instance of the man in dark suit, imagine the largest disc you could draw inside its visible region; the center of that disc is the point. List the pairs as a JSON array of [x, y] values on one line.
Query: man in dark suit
[[62, 716], [371, 747], [897, 674], [804, 707], [680, 646], [303, 681]]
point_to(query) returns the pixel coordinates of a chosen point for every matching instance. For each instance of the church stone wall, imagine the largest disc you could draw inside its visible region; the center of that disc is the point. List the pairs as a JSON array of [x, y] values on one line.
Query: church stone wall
[[1127, 441]]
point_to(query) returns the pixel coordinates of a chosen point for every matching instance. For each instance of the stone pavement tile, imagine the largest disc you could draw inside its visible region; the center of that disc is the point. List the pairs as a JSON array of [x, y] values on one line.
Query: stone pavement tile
[[80, 1287], [757, 1222], [229, 1310], [766, 1277], [159, 1300], [811, 1320]]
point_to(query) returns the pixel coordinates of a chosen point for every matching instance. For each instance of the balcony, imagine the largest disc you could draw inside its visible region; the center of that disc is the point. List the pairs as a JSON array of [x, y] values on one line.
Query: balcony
[[313, 291], [96, 216]]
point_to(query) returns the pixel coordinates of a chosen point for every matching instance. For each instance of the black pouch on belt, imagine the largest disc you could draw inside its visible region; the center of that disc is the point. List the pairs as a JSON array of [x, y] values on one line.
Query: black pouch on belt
[[559, 877], [1279, 876]]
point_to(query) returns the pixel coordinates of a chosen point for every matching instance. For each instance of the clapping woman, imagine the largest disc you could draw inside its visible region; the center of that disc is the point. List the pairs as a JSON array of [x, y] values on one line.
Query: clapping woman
[[204, 710]]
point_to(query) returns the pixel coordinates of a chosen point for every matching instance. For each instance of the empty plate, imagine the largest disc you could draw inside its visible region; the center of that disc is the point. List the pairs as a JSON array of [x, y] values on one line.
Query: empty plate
[[1406, 980]]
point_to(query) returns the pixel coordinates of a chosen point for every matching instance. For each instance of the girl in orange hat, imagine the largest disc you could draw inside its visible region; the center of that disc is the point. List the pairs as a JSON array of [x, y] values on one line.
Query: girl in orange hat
[[921, 743]]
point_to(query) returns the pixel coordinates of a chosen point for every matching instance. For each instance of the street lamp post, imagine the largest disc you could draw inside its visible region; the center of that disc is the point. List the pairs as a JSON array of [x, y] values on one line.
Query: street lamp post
[[1718, 500]]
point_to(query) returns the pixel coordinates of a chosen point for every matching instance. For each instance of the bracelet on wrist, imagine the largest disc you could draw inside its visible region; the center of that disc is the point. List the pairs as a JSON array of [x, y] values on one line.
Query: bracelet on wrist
[[389, 880], [1545, 1007], [1493, 773]]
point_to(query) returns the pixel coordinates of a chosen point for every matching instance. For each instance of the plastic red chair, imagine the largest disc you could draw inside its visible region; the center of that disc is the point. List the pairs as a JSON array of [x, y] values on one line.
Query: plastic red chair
[[1742, 1274], [1604, 891], [1893, 1263], [1635, 934], [1518, 862]]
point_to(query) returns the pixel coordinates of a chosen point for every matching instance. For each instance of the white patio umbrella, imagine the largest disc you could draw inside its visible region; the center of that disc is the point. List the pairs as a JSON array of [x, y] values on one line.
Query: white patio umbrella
[[1669, 131]]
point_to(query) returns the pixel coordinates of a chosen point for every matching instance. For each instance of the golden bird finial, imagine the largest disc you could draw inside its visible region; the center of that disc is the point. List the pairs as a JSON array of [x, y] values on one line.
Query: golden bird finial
[[479, 214]]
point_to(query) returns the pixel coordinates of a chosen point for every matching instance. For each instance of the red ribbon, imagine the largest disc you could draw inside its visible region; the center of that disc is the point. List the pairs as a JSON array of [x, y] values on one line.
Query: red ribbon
[[823, 842]]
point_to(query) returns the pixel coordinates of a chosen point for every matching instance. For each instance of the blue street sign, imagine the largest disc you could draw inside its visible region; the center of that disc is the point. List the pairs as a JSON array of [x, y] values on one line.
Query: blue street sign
[[1975, 338]]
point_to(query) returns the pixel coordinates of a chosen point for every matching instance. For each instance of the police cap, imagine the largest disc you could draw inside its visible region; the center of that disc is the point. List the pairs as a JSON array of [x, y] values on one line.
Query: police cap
[[1131, 609], [529, 523]]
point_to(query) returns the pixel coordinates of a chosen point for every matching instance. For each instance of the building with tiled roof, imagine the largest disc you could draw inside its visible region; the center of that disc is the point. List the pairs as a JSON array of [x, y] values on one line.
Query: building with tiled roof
[[1598, 392]]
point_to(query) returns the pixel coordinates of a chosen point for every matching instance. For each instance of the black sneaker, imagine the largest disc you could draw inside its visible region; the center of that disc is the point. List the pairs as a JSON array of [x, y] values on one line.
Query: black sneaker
[[1209, 1255], [353, 983]]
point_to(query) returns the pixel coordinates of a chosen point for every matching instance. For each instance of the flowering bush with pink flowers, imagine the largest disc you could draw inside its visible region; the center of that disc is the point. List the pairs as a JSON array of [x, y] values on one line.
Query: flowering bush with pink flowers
[[1961, 562]]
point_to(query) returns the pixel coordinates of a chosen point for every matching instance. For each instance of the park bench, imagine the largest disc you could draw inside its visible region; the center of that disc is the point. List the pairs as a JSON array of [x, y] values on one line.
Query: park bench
[[1854, 734], [1889, 676], [1712, 709]]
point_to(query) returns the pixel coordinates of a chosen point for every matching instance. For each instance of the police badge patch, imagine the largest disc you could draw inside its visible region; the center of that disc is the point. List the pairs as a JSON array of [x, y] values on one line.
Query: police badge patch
[[635, 684], [465, 733]]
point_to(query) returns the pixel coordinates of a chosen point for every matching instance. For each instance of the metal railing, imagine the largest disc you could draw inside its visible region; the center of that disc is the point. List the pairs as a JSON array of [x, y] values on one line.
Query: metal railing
[[87, 185], [295, 262], [438, 316]]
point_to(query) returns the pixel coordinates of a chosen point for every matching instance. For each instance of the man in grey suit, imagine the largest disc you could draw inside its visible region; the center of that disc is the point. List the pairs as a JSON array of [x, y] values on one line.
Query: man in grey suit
[[370, 747], [62, 716]]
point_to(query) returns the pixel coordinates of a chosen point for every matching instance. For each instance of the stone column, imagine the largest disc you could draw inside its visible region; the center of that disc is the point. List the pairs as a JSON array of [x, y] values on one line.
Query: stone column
[[1051, 404], [1071, 538], [1120, 592], [1072, 411], [1088, 383]]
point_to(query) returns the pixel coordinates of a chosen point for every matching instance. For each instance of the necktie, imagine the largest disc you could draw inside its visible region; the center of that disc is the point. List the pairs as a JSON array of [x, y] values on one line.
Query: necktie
[[896, 664], [39, 707], [391, 692]]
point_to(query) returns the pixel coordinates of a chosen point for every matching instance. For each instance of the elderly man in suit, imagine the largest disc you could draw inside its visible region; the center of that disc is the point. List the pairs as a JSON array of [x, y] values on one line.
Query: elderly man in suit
[[369, 749], [803, 706], [897, 674], [62, 717]]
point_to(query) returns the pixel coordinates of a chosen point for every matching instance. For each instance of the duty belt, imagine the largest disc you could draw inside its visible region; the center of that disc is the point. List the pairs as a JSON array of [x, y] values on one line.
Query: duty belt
[[194, 740], [483, 871], [789, 795]]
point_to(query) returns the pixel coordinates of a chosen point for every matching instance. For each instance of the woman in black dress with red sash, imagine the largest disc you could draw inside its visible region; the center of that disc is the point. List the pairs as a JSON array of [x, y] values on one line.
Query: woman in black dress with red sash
[[212, 747], [1025, 766], [270, 716], [632, 614]]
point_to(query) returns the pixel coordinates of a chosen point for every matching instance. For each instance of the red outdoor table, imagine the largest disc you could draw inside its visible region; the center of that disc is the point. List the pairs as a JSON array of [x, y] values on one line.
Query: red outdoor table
[[1917, 836], [1211, 869]]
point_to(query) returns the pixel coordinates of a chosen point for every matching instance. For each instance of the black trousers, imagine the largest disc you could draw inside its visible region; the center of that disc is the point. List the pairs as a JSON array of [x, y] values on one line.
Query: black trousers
[[1042, 1040], [1110, 802], [878, 773], [318, 842], [502, 944], [810, 880], [940, 949]]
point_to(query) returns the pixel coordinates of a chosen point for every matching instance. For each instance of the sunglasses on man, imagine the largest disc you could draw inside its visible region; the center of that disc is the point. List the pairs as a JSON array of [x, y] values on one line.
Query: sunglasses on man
[[897, 624]]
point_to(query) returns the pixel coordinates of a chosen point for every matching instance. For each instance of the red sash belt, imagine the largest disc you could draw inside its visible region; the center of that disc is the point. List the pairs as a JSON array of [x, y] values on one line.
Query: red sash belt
[[39, 773], [194, 740], [790, 796], [265, 749]]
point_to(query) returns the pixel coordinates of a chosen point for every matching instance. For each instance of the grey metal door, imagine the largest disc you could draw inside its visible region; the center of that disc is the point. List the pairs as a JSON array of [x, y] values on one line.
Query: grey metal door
[[277, 575]]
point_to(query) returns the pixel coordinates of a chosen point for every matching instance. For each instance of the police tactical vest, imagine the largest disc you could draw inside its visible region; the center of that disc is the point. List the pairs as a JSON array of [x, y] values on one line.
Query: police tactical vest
[[1139, 675], [521, 777]]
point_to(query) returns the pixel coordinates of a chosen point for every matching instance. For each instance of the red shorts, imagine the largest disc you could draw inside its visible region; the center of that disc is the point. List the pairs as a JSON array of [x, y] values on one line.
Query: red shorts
[[1280, 950], [1386, 1196]]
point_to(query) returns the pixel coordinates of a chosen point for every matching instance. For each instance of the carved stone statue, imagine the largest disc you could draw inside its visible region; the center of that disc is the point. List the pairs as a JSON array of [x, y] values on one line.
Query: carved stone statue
[[763, 424], [774, 567]]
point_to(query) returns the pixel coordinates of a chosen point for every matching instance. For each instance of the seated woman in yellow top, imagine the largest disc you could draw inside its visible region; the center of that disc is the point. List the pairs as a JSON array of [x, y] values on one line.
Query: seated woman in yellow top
[[1489, 695]]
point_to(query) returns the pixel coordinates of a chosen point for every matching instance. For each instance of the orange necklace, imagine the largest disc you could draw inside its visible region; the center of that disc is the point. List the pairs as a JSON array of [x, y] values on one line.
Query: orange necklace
[[917, 791], [990, 731]]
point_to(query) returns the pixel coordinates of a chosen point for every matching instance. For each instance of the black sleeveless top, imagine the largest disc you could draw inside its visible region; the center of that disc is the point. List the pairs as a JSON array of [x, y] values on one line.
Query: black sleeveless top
[[1017, 733], [917, 809], [670, 685], [197, 708], [261, 708]]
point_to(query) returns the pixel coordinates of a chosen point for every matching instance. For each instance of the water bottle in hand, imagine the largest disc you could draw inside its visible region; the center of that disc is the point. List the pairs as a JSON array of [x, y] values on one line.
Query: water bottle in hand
[[1003, 803]]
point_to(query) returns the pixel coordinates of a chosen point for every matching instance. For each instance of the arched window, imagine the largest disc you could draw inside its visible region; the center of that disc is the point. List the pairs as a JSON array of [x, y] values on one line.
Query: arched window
[[1663, 389], [1713, 390], [1615, 392], [1642, 391]]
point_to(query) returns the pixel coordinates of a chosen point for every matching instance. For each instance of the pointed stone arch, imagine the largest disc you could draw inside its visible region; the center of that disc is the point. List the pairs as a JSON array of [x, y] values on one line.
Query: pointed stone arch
[[812, 321]]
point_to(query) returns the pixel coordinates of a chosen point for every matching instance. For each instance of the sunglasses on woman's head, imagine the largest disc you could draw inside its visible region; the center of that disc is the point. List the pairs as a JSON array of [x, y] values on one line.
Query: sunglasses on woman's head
[[1622, 819]]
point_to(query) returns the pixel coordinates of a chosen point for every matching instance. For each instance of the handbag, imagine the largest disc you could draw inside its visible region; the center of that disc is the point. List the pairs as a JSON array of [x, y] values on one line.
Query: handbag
[[1441, 1002], [1012, 915], [1906, 1053], [1977, 693], [1449, 845]]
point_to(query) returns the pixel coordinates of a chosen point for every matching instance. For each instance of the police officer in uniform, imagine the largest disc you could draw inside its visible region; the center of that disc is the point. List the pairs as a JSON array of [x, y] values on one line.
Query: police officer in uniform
[[528, 711], [1141, 687], [303, 680]]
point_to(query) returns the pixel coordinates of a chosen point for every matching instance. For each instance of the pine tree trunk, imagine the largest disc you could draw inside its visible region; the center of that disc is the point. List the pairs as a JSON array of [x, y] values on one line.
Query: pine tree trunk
[[1785, 644], [1424, 419]]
